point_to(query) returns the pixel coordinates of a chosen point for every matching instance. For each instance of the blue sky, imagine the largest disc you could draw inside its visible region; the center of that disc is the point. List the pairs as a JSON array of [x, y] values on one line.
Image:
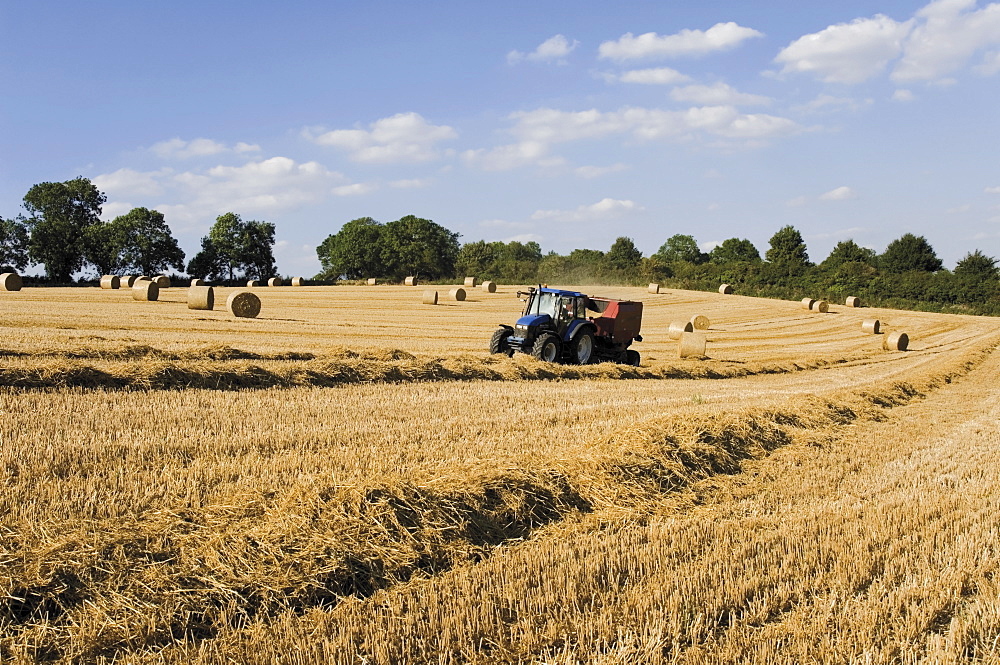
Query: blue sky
[[568, 123]]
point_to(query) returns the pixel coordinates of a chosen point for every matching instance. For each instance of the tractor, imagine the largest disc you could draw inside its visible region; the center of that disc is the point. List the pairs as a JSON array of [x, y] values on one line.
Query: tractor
[[557, 326]]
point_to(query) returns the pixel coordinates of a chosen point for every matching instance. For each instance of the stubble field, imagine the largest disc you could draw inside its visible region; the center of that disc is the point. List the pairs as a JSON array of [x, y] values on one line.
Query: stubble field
[[350, 478]]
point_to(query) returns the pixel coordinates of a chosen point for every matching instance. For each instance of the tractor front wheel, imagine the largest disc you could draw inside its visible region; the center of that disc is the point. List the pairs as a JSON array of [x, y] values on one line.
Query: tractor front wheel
[[499, 343], [546, 348]]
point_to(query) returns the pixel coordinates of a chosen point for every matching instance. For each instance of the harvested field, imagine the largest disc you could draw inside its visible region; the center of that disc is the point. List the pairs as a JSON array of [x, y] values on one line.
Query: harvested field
[[350, 478]]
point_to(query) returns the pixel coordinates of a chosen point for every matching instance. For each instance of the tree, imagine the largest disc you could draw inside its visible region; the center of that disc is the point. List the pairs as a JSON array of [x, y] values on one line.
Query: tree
[[733, 250], [848, 251], [909, 252], [787, 254], [419, 247], [353, 252], [623, 255], [681, 247], [139, 241], [978, 266], [233, 247], [60, 213], [13, 244]]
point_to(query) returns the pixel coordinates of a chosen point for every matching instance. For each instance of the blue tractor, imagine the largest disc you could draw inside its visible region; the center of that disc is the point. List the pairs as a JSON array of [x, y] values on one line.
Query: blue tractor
[[572, 327]]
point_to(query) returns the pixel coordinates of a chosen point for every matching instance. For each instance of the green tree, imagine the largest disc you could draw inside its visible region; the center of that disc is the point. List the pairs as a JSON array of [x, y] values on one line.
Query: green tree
[[909, 252], [419, 247], [733, 250], [787, 254], [848, 251], [13, 244], [623, 255], [234, 247], [978, 266], [138, 241], [353, 252], [680, 247], [208, 263], [61, 212]]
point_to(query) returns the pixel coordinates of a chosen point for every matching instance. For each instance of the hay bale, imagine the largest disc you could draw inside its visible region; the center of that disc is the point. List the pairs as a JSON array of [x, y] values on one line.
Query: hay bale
[[243, 304], [692, 345], [201, 297], [897, 341], [145, 290], [252, 283], [430, 297], [700, 322], [372, 281], [820, 306], [489, 287], [807, 303], [11, 281], [676, 328], [142, 278], [126, 281], [653, 288], [298, 281], [410, 281], [197, 282], [162, 281], [871, 326], [725, 289], [470, 282], [457, 293], [853, 301], [110, 282], [275, 281]]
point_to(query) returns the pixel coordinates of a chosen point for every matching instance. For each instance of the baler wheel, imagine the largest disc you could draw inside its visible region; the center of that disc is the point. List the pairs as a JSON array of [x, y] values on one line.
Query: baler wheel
[[583, 348], [632, 358], [546, 348]]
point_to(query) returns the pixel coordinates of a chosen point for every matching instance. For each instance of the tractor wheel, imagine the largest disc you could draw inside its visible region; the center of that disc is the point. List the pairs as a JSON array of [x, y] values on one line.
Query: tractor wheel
[[546, 348], [583, 348], [499, 343], [632, 358]]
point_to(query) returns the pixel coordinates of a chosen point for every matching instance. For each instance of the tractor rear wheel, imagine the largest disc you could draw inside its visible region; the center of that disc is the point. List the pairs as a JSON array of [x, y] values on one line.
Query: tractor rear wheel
[[583, 348], [632, 358], [499, 343], [546, 348]]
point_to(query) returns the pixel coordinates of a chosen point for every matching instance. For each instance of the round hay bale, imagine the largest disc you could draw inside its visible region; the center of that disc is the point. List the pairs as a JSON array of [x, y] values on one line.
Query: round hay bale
[[11, 281], [853, 301], [197, 282], [653, 288], [700, 322], [252, 283], [126, 281], [372, 281], [871, 326], [489, 287], [692, 345], [807, 303], [162, 281], [470, 282], [201, 297], [676, 328], [820, 306], [430, 298], [110, 282], [457, 294], [275, 281], [142, 278], [897, 341], [410, 281], [298, 281], [243, 304], [725, 289], [145, 290]]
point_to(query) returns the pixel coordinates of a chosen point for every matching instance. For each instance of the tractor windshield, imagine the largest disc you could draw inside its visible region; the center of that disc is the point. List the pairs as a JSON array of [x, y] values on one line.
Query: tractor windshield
[[544, 303]]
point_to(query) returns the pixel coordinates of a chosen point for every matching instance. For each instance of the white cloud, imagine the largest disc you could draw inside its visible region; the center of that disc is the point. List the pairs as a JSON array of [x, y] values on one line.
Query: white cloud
[[511, 156], [655, 76], [719, 94], [958, 210], [824, 102], [404, 137], [129, 183], [411, 183], [114, 209], [553, 49], [720, 37], [902, 95], [355, 189], [992, 190], [951, 32], [177, 148], [797, 202], [838, 194], [603, 210], [847, 52], [590, 172], [990, 64]]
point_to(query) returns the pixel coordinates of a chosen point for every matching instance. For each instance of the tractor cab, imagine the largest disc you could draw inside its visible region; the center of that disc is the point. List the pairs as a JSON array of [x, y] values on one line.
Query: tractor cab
[[550, 310]]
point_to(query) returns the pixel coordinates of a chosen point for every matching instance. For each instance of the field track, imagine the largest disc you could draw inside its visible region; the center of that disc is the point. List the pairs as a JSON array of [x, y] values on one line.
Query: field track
[[801, 495]]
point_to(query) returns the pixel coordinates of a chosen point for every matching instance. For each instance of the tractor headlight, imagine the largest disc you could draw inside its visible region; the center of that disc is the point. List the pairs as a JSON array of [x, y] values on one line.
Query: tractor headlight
[[521, 326]]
